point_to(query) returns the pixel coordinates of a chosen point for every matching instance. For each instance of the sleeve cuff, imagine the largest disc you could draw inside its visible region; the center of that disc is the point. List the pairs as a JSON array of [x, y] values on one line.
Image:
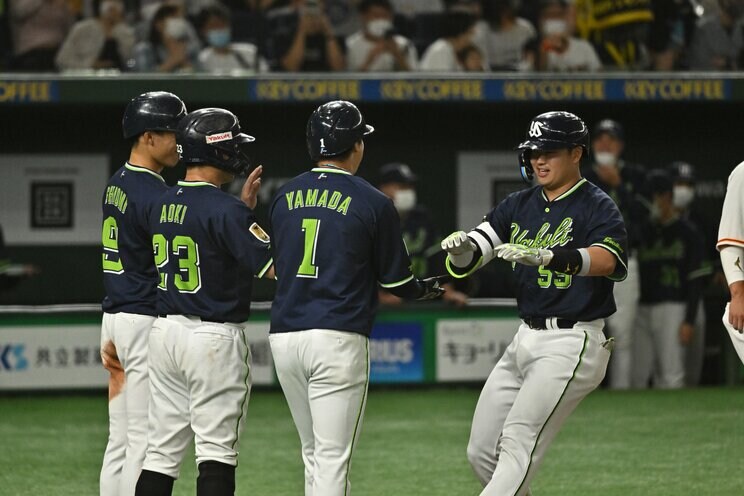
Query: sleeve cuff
[[265, 269], [396, 284], [618, 275]]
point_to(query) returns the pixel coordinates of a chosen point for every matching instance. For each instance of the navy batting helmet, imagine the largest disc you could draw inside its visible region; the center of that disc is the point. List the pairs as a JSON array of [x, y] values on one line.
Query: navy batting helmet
[[212, 136], [333, 128], [551, 131], [682, 172], [153, 111]]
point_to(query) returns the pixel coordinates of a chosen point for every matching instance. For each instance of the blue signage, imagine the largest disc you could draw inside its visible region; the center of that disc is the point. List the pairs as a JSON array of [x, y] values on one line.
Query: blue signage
[[396, 353]]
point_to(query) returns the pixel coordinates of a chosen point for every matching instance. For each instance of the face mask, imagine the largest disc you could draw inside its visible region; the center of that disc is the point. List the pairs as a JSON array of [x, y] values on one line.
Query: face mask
[[605, 159], [404, 200], [219, 37], [176, 27], [553, 27], [682, 196], [379, 27]]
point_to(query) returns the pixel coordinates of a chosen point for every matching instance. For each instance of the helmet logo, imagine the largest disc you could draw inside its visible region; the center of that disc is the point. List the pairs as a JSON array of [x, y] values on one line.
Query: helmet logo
[[322, 146], [215, 138], [179, 150], [535, 131]]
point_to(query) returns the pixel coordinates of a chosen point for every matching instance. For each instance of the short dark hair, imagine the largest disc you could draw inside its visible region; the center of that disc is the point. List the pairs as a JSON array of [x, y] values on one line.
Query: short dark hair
[[365, 5], [215, 10], [455, 23]]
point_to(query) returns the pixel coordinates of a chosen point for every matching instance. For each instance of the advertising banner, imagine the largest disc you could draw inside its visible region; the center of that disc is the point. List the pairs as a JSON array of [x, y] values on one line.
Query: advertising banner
[[397, 353]]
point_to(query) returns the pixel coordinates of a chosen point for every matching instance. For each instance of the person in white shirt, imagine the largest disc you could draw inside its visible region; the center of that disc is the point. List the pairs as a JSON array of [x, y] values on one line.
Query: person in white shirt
[[412, 8], [558, 51], [376, 48], [507, 36], [222, 55], [457, 33], [103, 42]]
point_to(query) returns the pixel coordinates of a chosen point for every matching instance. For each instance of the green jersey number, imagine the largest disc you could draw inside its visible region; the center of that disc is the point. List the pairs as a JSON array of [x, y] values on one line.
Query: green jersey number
[[110, 240], [185, 249], [557, 279], [308, 268]]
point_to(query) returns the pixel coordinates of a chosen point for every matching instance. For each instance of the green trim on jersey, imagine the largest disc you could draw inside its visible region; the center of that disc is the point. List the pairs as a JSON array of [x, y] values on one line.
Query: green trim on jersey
[[565, 194], [451, 268], [263, 271], [619, 259], [359, 417], [246, 381], [396, 284], [537, 439], [331, 170], [137, 168], [196, 183]]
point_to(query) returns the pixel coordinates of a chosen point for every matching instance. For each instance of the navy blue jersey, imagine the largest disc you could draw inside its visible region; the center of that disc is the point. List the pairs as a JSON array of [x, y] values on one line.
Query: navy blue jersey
[[581, 217], [129, 273], [335, 237], [208, 248]]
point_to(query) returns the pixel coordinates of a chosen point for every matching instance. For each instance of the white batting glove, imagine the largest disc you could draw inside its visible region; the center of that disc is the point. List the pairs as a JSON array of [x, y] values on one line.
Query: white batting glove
[[512, 252], [458, 243]]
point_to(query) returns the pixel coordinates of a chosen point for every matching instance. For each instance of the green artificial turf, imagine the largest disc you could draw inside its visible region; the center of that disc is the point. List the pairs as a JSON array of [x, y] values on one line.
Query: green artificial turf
[[413, 443]]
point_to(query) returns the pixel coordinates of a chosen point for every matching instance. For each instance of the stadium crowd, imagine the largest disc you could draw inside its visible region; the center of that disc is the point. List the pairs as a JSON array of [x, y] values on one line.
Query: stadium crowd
[[211, 36]]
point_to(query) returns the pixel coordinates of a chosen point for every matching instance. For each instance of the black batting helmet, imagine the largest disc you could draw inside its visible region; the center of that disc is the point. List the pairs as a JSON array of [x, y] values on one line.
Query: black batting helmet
[[682, 172], [333, 128], [556, 130], [212, 136], [153, 111]]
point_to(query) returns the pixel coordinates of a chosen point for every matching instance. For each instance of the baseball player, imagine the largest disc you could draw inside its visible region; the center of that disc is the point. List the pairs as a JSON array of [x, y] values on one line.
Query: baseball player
[[208, 247], [671, 267], [335, 238], [567, 242], [731, 247], [130, 278], [623, 181]]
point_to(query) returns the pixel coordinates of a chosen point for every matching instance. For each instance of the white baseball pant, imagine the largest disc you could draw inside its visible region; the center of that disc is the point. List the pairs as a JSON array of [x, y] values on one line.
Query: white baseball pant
[[541, 378], [657, 350], [124, 353], [737, 338], [620, 326], [324, 375], [200, 383]]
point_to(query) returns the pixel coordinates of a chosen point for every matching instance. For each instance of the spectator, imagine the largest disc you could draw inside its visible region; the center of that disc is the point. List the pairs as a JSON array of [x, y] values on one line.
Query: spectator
[[670, 256], [38, 28], [303, 40], [398, 182], [623, 182], [618, 30], [104, 42], [471, 59], [480, 28], [557, 50], [377, 48], [221, 55], [671, 32], [457, 33], [507, 37], [168, 47], [717, 42], [412, 8], [343, 16]]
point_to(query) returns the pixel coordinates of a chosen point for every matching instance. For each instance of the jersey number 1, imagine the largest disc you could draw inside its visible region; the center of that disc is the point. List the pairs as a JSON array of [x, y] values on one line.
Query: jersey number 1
[[308, 268]]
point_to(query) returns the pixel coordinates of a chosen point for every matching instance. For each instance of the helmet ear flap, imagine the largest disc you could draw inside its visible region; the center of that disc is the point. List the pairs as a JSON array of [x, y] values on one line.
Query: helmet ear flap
[[525, 166]]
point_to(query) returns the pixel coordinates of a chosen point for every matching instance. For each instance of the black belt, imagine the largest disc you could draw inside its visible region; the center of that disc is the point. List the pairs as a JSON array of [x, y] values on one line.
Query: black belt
[[541, 323]]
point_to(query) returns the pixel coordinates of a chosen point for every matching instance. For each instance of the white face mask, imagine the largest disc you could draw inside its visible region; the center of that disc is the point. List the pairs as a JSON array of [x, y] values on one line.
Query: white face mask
[[176, 27], [554, 27], [404, 200], [379, 27], [682, 196], [605, 159]]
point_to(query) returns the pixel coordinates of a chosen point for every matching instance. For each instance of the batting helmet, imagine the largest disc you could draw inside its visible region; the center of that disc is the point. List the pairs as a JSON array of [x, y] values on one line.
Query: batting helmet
[[153, 111], [333, 128], [551, 131], [682, 172], [212, 136]]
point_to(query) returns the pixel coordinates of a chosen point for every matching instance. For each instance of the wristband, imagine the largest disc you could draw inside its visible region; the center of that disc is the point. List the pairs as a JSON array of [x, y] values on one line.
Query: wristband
[[566, 260]]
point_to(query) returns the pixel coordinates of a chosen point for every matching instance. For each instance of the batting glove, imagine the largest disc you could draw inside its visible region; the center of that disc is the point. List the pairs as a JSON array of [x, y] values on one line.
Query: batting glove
[[432, 287], [458, 243], [512, 252]]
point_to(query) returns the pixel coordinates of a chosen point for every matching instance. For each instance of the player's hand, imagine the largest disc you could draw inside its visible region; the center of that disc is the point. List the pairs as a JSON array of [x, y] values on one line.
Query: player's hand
[[453, 296], [249, 193], [513, 252], [736, 307], [458, 243], [686, 332], [433, 287]]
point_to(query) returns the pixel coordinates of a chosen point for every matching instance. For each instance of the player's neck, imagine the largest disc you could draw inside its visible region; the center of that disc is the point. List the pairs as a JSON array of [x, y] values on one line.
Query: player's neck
[[338, 165], [553, 192], [145, 161], [208, 174]]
